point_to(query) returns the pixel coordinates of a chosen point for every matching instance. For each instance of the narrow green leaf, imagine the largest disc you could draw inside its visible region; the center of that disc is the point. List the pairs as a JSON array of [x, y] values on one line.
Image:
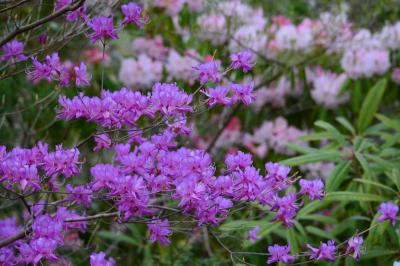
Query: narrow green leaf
[[319, 218], [312, 158], [371, 104], [392, 123], [301, 149], [317, 136], [337, 176], [370, 182], [352, 196], [364, 164], [346, 124], [292, 239], [331, 129], [319, 232], [118, 237], [311, 207]]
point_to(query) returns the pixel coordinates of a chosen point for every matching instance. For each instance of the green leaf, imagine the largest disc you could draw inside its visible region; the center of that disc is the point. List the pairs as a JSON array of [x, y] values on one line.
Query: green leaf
[[319, 218], [319, 232], [337, 176], [312, 158], [331, 129], [300, 148], [118, 237], [292, 239], [352, 196], [364, 164], [317, 136], [309, 208], [377, 184], [371, 104], [346, 124], [392, 123]]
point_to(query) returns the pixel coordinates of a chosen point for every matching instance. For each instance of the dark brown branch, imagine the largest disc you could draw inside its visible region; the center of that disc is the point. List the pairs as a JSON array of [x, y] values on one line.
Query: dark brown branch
[[14, 5], [41, 21]]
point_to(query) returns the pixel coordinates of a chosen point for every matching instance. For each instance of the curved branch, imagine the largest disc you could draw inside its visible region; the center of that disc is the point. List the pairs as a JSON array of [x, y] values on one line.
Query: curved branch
[[41, 21]]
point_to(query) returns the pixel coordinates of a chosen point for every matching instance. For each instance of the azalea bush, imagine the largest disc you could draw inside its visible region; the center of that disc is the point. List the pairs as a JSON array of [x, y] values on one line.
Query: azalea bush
[[196, 132]]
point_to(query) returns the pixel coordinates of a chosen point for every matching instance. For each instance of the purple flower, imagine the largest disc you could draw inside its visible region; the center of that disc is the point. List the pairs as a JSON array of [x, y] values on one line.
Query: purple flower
[[45, 226], [159, 231], [99, 259], [354, 247], [325, 251], [253, 234], [62, 162], [388, 211], [217, 96], [78, 13], [244, 93], [242, 60], [42, 39], [170, 100], [132, 13], [61, 4], [79, 194], [277, 175], [279, 254], [81, 76], [14, 50], [286, 207], [43, 248], [237, 161], [314, 189], [103, 27], [40, 71], [208, 71]]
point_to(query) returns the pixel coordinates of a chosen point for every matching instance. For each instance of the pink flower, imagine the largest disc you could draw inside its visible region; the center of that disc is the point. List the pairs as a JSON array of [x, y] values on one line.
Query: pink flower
[[243, 93], [103, 27], [354, 247], [132, 13], [99, 259], [208, 71], [81, 76], [103, 141], [279, 254], [159, 231], [325, 251], [253, 234], [14, 50], [388, 211], [243, 59], [217, 96], [313, 188]]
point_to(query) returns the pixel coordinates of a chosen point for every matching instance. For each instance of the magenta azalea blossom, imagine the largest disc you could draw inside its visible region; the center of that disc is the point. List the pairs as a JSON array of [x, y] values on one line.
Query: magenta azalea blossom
[[99, 259], [132, 13], [243, 59], [218, 96], [314, 189], [81, 76], [326, 251], [389, 212], [14, 50], [354, 247], [279, 254], [103, 28], [253, 234], [159, 231]]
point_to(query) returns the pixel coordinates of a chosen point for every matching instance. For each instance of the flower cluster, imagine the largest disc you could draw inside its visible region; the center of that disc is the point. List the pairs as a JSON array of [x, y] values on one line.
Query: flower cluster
[[52, 69], [22, 167]]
